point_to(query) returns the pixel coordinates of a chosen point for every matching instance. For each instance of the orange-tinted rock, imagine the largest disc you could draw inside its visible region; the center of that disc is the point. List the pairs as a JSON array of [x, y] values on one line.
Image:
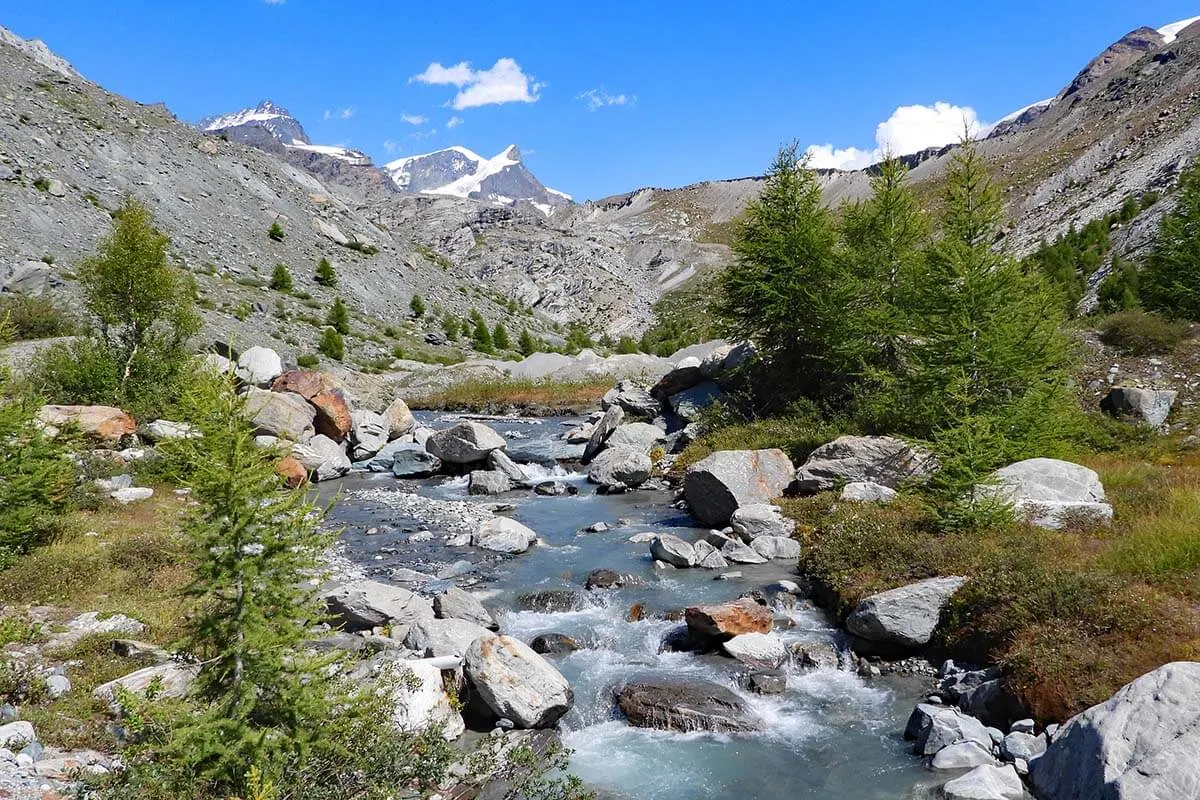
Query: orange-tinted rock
[[324, 393], [725, 620], [103, 422], [306, 383], [292, 471]]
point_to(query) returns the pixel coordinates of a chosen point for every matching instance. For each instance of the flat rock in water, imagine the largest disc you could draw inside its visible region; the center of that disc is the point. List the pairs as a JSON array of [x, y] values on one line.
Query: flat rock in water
[[669, 548], [620, 465], [687, 706], [761, 650], [503, 535], [414, 461]]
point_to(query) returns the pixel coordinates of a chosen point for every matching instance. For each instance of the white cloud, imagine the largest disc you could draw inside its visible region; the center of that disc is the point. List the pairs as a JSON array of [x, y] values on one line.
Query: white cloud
[[505, 82], [414, 119], [454, 122], [274, 2], [338, 113], [599, 98], [910, 129], [390, 147]]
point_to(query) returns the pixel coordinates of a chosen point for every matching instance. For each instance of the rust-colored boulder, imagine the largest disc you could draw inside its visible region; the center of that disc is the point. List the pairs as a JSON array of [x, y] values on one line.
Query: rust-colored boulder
[[324, 393], [103, 422], [726, 620], [292, 471]]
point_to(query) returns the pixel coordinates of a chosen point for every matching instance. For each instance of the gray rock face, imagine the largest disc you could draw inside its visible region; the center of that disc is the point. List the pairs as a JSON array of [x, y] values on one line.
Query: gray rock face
[[708, 556], [948, 726], [435, 638], [760, 519], [675, 551], [1023, 745], [962, 755], [686, 706], [620, 466], [740, 553], [259, 366], [878, 459], [640, 436], [32, 279], [414, 461], [465, 443], [682, 377], [1141, 743], [1151, 406], [488, 482], [456, 603], [363, 605], [517, 683], [776, 547], [283, 414], [602, 430], [500, 462], [324, 458], [867, 492], [1048, 491], [503, 535], [719, 485], [986, 783], [904, 617], [368, 433], [634, 399], [690, 403]]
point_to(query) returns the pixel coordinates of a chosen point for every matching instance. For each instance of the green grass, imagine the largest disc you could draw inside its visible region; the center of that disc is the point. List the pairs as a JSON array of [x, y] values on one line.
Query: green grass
[[492, 396]]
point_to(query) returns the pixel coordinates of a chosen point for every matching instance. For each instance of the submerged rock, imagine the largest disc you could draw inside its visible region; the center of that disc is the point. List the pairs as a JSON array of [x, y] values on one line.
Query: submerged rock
[[679, 705], [619, 466], [553, 644]]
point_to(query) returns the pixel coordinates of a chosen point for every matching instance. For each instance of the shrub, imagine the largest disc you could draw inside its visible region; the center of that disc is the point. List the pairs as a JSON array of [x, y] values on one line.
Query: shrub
[[325, 275], [1139, 333], [307, 361], [1119, 291], [1170, 282], [332, 345], [276, 231], [281, 278], [526, 344], [417, 306], [338, 317], [35, 318]]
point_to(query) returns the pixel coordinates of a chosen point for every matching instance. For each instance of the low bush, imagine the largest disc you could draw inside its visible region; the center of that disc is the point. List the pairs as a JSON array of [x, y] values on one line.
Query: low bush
[[307, 361], [1140, 333], [332, 345], [35, 318]]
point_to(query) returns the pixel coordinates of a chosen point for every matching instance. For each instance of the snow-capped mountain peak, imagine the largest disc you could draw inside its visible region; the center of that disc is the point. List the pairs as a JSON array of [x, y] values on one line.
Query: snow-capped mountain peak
[[273, 118], [1171, 32], [460, 172]]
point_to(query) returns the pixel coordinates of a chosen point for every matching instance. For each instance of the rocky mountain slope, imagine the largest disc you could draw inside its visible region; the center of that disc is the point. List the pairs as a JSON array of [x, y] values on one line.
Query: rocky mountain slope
[[459, 172]]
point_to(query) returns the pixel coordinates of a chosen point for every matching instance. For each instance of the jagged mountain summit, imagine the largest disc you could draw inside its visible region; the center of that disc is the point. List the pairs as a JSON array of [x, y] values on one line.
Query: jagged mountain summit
[[459, 172], [268, 126]]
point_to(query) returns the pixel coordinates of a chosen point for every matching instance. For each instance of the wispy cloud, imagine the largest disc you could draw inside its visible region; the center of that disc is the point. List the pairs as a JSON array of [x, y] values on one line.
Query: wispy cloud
[[910, 129], [338, 113], [274, 2], [390, 147], [454, 122], [600, 98], [504, 82], [418, 135], [414, 119]]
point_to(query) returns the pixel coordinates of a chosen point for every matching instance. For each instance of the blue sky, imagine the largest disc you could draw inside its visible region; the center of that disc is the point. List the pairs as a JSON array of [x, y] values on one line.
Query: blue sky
[[601, 97]]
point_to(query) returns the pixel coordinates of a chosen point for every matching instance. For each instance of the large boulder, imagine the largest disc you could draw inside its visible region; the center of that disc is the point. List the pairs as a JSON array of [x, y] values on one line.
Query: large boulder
[[947, 726], [685, 375], [500, 462], [962, 755], [670, 549], [987, 782], [620, 466], [760, 519], [1151, 406], [904, 617], [414, 461], [101, 422], [884, 460], [456, 603], [720, 484], [1049, 492], [368, 433], [726, 620], [32, 279], [488, 481], [1142, 743], [723, 360], [640, 436], [677, 705], [435, 638], [419, 697], [324, 458], [603, 428], [325, 395], [366, 604], [283, 414], [259, 366], [465, 443], [634, 399], [503, 535], [776, 547], [170, 681], [516, 683], [690, 403], [399, 418], [759, 650]]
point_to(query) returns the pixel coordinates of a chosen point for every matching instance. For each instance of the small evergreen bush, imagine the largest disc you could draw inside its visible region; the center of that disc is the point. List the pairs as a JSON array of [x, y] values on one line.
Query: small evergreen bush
[[1140, 333]]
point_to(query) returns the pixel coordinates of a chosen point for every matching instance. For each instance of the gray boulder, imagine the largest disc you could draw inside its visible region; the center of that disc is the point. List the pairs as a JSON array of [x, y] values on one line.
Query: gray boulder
[[383, 460], [435, 638], [419, 697], [708, 556], [634, 399], [1141, 743], [465, 443], [986, 782], [867, 492], [516, 683], [399, 418], [688, 706], [776, 547], [32, 279], [601, 431], [949, 726], [1048, 492], [414, 461], [962, 755], [671, 549], [1151, 406], [640, 436], [503, 535], [368, 433], [760, 519], [685, 375], [324, 458], [741, 553], [720, 484], [1023, 745], [759, 650], [499, 461], [690, 403], [904, 617], [456, 603], [722, 360], [363, 605], [884, 460], [488, 482], [259, 366], [283, 414], [620, 466]]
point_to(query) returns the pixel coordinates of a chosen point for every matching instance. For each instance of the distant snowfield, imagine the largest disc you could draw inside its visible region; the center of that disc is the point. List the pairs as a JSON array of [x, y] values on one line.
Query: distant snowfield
[[341, 153], [1171, 32], [466, 185]]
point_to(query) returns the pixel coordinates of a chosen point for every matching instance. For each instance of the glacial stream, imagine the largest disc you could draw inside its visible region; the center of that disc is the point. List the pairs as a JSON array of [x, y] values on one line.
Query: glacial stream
[[830, 735]]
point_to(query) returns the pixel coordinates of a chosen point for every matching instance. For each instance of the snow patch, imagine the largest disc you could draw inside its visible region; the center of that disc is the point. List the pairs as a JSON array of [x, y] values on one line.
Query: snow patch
[[341, 153], [241, 118], [1039, 104], [466, 185], [1171, 32], [563, 195]]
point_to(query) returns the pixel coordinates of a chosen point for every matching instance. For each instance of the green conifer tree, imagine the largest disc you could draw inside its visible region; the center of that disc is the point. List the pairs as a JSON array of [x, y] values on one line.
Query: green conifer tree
[[332, 345], [526, 344], [326, 276], [338, 317], [500, 337], [1170, 282], [417, 306], [481, 337], [281, 278]]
